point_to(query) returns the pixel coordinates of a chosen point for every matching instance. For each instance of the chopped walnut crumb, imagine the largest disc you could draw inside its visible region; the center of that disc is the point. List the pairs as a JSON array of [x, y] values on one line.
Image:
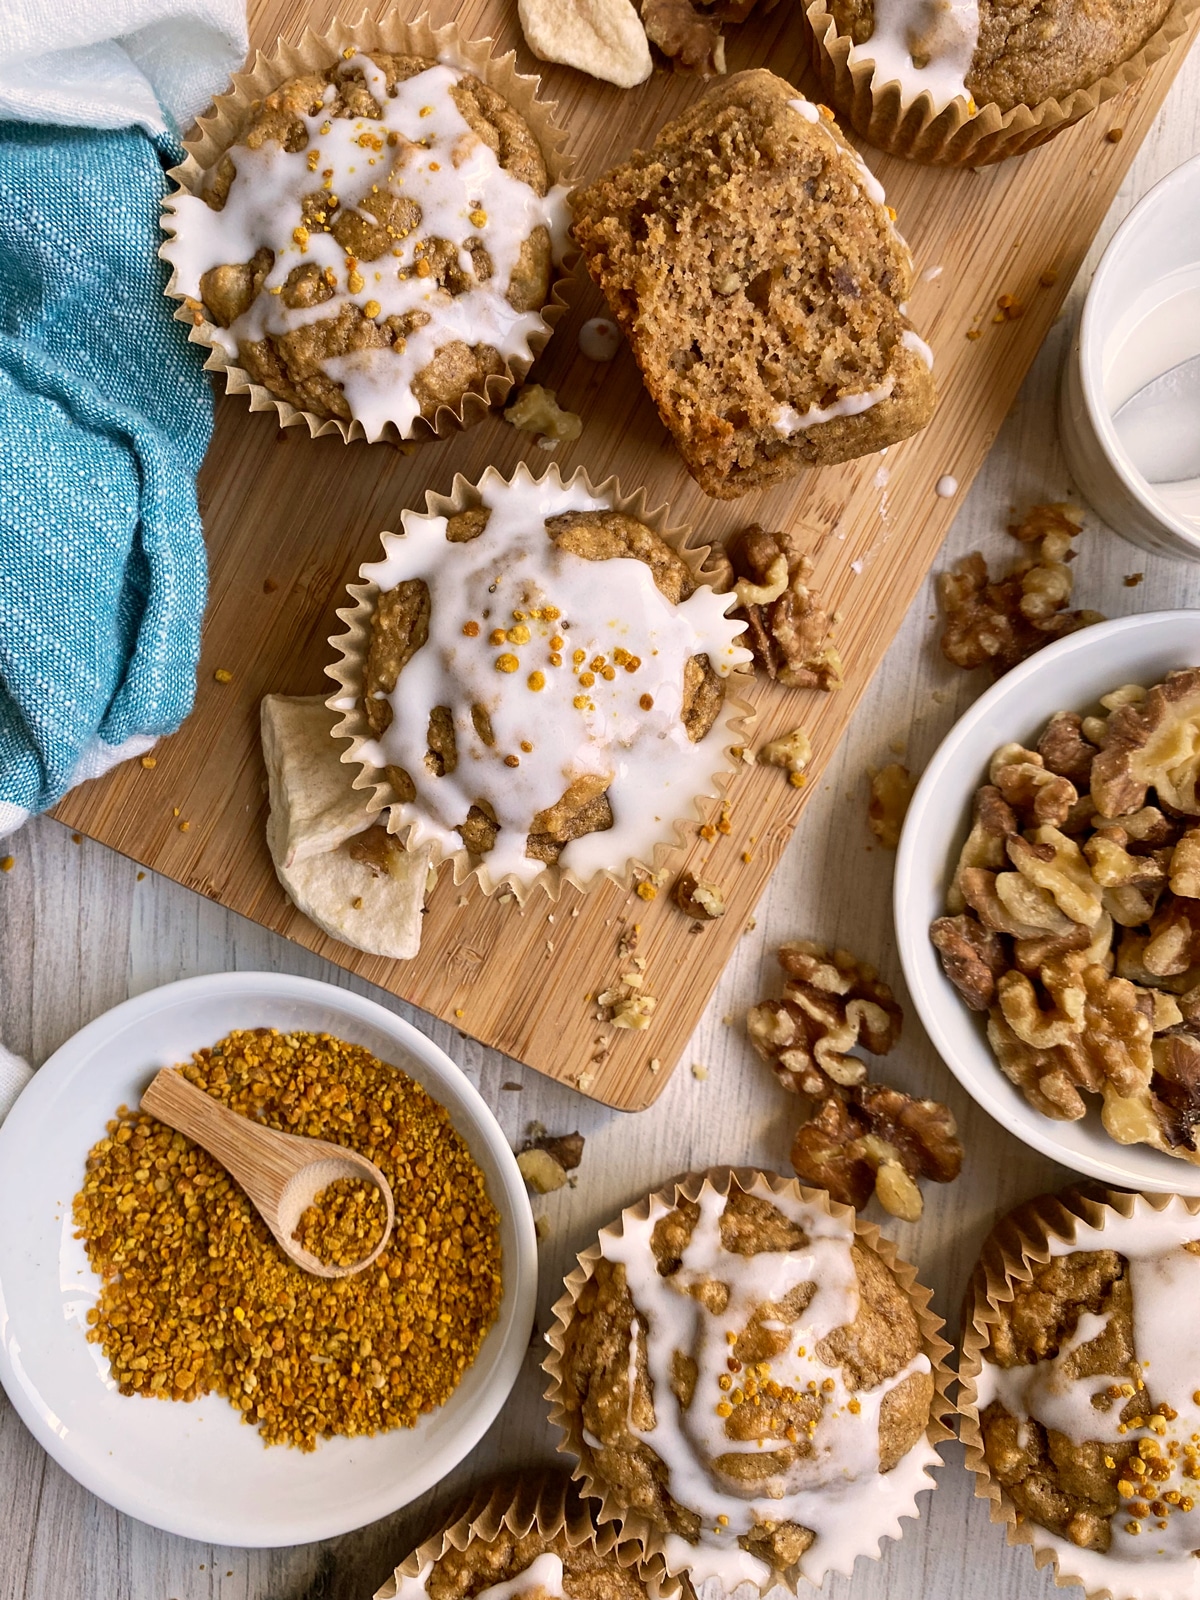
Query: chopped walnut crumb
[[534, 409], [891, 790], [793, 752], [999, 622]]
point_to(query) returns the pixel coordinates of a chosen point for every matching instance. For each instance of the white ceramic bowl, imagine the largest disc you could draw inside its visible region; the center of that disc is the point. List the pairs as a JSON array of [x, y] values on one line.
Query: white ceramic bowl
[[1146, 264], [195, 1469], [1068, 676]]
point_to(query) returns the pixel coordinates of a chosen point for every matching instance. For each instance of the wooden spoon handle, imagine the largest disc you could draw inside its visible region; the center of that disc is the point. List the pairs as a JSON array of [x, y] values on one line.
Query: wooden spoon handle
[[259, 1158]]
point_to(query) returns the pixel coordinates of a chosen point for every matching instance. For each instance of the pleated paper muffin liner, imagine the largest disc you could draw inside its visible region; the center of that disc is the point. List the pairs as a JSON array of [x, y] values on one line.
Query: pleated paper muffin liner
[[723, 1180], [542, 1502], [216, 131], [1019, 1242], [735, 719], [960, 135]]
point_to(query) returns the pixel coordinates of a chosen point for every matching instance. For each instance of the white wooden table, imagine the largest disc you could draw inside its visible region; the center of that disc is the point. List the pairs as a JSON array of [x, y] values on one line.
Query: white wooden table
[[82, 929]]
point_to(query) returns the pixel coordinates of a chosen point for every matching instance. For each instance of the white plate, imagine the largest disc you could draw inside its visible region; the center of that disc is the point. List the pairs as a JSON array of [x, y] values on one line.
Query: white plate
[[1068, 676], [196, 1469]]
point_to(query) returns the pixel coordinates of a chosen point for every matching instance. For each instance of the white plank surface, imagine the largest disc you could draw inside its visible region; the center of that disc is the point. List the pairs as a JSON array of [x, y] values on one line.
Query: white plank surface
[[79, 932]]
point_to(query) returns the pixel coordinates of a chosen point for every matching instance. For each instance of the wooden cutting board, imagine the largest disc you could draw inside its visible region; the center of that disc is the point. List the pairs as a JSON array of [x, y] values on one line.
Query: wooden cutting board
[[290, 519]]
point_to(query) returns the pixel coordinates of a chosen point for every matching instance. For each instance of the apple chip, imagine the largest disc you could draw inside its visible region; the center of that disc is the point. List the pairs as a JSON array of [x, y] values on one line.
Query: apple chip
[[604, 38], [335, 859]]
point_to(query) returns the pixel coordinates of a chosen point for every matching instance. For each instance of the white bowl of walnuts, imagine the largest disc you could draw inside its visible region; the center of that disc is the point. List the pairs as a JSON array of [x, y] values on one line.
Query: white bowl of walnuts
[[1047, 901]]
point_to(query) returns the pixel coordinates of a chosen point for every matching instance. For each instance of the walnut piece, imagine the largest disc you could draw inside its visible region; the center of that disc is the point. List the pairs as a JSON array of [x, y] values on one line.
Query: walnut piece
[[787, 629], [688, 32], [862, 1138], [703, 902], [998, 622], [793, 752], [566, 1148], [973, 957], [891, 790], [541, 1171], [536, 410], [1155, 742], [1075, 915]]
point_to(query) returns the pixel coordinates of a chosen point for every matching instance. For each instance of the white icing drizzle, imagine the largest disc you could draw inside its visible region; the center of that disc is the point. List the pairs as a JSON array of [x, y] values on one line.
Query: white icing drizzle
[[543, 1576], [837, 1490], [599, 339], [420, 148], [1154, 1563], [789, 421], [579, 721], [947, 31]]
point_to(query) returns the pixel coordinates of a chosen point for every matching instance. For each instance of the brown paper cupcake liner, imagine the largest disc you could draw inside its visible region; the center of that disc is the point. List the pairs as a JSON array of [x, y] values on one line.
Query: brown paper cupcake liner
[[216, 131], [723, 1180], [1019, 1242], [956, 136], [736, 718], [543, 1501]]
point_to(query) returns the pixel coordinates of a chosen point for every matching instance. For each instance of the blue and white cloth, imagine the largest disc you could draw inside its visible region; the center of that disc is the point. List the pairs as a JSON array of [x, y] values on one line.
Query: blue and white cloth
[[104, 411]]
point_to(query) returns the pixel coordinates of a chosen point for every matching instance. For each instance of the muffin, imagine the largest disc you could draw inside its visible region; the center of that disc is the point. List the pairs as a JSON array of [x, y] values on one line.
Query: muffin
[[527, 1537], [748, 1380], [971, 83], [1080, 1387], [752, 263], [373, 241], [535, 680]]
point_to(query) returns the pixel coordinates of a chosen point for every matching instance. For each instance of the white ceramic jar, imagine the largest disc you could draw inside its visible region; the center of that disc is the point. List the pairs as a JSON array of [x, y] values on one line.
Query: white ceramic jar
[[1141, 318]]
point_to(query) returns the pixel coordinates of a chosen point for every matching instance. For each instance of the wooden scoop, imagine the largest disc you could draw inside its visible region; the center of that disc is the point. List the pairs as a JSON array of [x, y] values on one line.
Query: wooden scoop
[[281, 1173]]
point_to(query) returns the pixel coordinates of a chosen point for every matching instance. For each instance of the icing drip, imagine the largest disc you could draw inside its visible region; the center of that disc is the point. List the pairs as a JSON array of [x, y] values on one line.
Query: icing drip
[[837, 1489], [942, 34], [914, 342], [1144, 1559], [555, 714], [420, 149], [789, 421], [543, 1576]]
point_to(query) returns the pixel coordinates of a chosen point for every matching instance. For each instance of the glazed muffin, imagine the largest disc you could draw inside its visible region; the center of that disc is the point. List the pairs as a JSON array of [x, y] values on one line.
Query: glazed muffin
[[527, 1538], [377, 244], [978, 81], [997, 53], [746, 1381], [1081, 1386], [753, 264], [537, 679]]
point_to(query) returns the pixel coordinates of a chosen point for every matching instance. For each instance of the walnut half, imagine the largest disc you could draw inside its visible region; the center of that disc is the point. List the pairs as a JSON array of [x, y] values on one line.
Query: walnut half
[[875, 1140]]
